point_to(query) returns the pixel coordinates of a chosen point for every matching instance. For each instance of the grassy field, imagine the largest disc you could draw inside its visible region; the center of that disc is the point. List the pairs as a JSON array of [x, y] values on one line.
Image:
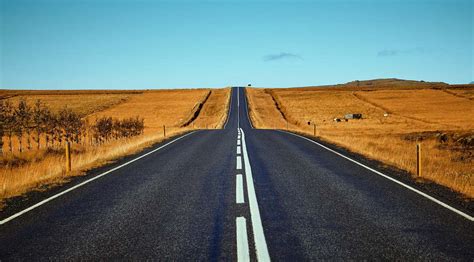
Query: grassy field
[[82, 102], [396, 116], [41, 169]]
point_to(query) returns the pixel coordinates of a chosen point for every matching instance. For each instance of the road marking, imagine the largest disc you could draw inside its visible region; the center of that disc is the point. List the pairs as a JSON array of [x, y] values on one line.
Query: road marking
[[88, 181], [239, 190], [238, 142], [238, 108], [439, 202], [230, 109], [259, 236], [238, 102], [242, 240], [239, 162], [239, 150]]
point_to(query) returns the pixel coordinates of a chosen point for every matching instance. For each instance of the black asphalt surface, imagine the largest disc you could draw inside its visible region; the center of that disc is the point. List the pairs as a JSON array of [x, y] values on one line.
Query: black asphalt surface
[[179, 204]]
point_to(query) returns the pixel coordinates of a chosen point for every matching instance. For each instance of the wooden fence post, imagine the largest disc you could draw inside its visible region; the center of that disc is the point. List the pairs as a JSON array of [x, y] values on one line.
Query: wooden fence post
[[314, 129], [68, 157], [418, 160], [164, 131]]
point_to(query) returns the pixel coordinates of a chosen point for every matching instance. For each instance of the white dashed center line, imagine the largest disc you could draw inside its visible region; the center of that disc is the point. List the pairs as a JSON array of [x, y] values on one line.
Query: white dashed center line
[[239, 163], [239, 189], [261, 248]]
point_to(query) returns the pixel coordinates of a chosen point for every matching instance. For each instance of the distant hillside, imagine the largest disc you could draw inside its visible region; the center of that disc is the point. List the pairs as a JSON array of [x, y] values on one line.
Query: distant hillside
[[388, 83], [394, 83]]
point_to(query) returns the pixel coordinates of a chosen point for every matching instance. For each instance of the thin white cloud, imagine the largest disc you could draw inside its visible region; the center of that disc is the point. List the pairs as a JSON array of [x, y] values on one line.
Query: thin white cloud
[[282, 55]]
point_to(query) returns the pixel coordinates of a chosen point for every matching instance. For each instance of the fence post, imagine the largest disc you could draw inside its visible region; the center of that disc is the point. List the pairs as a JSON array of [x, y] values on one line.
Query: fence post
[[286, 124], [314, 129], [418, 160], [68, 157], [164, 130]]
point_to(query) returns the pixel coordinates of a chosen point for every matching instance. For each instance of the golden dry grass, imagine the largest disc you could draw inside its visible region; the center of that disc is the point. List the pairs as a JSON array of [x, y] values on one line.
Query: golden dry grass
[[158, 108], [412, 114], [82, 103], [50, 170], [465, 93], [218, 102]]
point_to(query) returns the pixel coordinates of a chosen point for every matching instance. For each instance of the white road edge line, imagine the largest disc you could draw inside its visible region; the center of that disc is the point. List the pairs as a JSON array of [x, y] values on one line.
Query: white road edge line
[[88, 181], [242, 240], [239, 150], [257, 227], [239, 190], [239, 163], [439, 202], [230, 109]]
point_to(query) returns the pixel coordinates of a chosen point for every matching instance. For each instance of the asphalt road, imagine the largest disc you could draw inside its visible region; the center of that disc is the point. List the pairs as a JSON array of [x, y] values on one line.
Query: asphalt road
[[239, 193]]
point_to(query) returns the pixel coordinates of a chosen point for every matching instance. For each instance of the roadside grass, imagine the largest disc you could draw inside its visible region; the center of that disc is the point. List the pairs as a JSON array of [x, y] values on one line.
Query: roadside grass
[[51, 168], [440, 121], [40, 169], [209, 118]]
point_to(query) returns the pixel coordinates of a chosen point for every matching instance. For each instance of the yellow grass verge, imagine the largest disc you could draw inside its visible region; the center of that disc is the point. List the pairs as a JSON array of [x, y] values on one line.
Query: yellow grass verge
[[415, 115], [51, 169], [214, 112]]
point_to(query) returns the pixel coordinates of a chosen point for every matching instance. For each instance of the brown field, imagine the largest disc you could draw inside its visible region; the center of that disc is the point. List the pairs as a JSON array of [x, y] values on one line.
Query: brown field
[[437, 115], [40, 169], [83, 103]]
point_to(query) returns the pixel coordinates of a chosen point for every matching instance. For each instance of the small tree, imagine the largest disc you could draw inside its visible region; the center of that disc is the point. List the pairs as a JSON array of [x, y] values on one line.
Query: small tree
[[47, 125], [70, 124], [22, 118], [38, 121], [50, 126], [104, 127]]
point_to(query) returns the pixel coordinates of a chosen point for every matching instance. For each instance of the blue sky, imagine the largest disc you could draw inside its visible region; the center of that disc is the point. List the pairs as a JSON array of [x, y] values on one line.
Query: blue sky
[[105, 44]]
